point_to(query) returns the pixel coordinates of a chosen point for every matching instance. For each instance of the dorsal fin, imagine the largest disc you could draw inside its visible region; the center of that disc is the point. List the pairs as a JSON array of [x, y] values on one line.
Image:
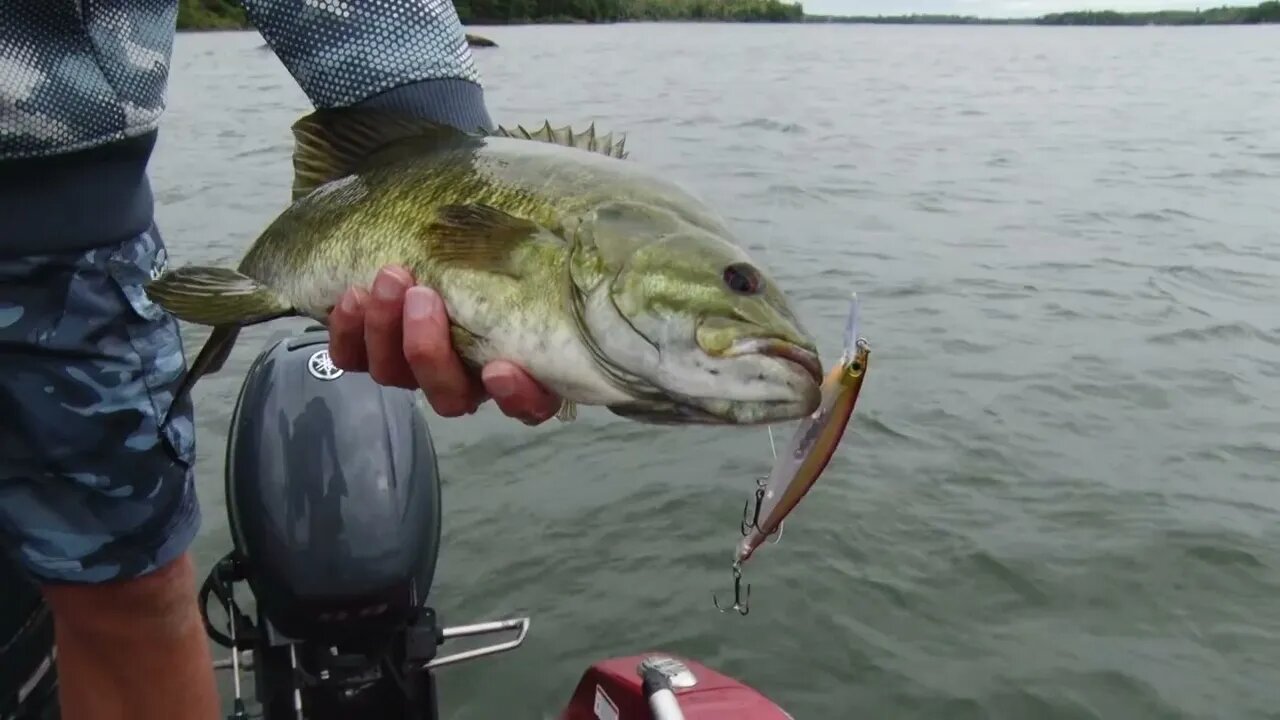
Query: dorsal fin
[[586, 140], [331, 143]]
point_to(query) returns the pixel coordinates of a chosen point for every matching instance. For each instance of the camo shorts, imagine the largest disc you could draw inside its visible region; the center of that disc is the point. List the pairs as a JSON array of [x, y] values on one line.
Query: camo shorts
[[92, 486]]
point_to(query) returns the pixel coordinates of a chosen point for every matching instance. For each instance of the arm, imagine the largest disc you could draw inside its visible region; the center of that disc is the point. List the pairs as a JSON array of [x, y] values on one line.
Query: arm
[[408, 56]]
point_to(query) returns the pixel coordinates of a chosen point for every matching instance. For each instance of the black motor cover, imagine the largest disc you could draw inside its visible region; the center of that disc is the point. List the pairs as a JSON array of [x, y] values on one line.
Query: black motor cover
[[333, 495], [28, 679]]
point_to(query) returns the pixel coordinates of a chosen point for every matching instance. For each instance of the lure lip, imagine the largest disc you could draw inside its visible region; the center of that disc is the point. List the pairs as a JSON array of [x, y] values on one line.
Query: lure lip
[[853, 326]]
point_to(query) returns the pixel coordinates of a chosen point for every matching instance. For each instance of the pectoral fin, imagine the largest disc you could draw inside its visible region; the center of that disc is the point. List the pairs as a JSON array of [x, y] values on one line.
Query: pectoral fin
[[480, 236]]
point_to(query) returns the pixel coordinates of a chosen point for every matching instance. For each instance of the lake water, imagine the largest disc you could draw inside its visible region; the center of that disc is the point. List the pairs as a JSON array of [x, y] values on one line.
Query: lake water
[[1059, 497]]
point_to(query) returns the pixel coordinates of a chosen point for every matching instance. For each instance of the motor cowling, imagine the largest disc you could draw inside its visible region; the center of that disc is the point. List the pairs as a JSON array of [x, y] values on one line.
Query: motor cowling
[[614, 689], [28, 678], [333, 496]]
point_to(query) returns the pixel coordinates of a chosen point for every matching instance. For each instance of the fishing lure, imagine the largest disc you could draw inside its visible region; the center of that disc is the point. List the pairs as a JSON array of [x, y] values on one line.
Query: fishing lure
[[807, 455]]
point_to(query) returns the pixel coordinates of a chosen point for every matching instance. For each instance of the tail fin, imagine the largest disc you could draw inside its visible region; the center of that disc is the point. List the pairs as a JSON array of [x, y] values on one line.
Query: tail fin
[[216, 296], [224, 298], [210, 360]]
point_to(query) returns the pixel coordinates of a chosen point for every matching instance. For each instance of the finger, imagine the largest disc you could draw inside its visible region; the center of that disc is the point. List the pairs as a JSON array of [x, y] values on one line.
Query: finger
[[517, 394], [383, 329], [432, 360], [346, 331]]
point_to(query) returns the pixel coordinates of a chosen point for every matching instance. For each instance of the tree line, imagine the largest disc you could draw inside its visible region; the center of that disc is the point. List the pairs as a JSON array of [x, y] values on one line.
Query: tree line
[[912, 19], [501, 12], [228, 14], [211, 15], [1267, 12]]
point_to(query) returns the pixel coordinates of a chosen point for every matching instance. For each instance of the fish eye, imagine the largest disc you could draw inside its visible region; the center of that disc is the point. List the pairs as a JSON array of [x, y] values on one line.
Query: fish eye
[[742, 279]]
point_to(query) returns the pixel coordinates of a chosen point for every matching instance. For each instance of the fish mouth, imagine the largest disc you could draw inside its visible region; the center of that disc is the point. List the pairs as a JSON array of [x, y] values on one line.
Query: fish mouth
[[799, 355]]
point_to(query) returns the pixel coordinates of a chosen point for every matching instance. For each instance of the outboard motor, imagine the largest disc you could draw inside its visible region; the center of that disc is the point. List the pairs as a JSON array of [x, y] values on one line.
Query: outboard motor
[[334, 501], [28, 679], [334, 504], [333, 497]]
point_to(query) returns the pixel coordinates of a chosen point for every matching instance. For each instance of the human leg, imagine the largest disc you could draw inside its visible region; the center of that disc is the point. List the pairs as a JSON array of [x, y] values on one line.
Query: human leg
[[133, 649], [97, 498]]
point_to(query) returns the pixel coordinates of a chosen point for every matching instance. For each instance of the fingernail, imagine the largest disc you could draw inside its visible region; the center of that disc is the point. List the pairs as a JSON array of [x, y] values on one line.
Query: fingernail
[[386, 286], [501, 384], [350, 302], [421, 303]]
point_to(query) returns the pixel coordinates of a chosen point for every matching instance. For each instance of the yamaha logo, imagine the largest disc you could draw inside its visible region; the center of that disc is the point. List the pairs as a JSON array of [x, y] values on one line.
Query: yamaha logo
[[322, 367]]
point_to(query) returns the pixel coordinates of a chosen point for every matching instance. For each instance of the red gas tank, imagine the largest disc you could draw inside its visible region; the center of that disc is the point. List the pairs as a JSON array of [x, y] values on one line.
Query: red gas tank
[[613, 690]]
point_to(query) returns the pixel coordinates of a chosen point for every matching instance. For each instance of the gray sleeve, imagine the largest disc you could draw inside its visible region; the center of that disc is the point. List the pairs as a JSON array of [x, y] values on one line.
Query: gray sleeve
[[405, 55]]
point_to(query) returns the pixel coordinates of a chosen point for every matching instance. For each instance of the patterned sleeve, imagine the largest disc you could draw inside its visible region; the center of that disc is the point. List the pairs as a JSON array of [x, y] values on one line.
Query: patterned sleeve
[[408, 55]]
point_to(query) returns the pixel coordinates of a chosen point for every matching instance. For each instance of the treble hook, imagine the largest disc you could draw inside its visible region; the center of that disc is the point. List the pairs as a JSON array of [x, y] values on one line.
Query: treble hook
[[746, 526], [739, 602]]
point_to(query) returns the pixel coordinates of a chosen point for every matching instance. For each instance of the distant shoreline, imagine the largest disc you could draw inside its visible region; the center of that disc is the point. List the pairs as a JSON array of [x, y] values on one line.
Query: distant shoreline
[[1263, 13], [215, 15]]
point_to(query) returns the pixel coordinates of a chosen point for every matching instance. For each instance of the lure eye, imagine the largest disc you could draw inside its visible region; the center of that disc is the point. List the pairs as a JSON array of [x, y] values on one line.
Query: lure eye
[[742, 279]]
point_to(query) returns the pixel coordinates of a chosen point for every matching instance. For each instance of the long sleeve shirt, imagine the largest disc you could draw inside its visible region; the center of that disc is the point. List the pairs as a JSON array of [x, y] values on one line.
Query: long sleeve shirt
[[83, 86]]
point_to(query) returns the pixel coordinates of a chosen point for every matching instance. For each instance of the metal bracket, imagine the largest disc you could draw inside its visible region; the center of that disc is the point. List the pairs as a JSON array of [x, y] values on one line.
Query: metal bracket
[[521, 625]]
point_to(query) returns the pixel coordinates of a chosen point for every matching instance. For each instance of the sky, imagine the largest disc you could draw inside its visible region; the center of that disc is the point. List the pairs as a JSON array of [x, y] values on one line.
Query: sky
[[998, 8]]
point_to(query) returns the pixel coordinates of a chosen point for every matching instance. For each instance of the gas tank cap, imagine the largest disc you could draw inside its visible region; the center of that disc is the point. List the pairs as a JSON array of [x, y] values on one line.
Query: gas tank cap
[[678, 674]]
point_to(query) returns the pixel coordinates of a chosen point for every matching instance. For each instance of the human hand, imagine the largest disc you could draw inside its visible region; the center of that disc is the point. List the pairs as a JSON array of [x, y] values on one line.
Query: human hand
[[399, 334]]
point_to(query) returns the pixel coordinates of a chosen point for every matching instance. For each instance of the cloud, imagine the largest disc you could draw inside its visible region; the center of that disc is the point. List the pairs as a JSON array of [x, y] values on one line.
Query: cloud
[[994, 8]]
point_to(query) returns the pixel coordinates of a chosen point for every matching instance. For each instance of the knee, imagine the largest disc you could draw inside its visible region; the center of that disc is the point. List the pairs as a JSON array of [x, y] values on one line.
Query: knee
[[160, 602]]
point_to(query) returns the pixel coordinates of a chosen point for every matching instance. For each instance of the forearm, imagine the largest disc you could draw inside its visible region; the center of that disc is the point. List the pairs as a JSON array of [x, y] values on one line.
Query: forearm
[[405, 55]]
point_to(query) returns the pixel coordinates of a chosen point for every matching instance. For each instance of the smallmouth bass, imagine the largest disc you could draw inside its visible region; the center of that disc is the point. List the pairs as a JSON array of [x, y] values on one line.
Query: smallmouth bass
[[610, 285]]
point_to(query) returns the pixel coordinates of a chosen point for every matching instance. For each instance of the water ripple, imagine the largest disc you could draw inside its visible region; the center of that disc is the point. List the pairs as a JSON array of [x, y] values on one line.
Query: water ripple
[[1059, 496]]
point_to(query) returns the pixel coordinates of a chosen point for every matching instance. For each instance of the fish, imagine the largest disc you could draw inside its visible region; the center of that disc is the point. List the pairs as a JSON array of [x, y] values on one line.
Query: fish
[[814, 442], [611, 284]]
